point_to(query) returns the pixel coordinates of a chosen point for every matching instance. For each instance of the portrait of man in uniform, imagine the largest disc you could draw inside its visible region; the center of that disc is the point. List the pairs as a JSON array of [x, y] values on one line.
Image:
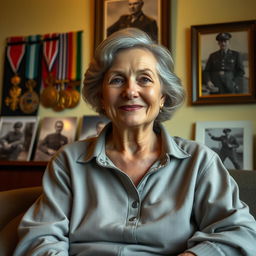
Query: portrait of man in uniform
[[228, 144], [17, 136], [225, 67], [231, 140], [54, 133], [142, 14]]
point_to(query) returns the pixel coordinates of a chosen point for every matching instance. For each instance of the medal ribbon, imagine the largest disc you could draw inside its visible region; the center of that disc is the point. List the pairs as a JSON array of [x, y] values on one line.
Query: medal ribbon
[[50, 49], [63, 57], [74, 55], [32, 60], [15, 52]]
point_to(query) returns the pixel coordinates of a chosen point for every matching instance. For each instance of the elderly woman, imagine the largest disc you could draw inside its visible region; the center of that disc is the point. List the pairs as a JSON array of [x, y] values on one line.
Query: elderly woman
[[135, 190]]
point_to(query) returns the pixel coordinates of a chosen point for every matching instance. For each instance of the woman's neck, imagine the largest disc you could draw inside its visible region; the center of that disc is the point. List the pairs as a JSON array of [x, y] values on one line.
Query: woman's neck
[[133, 141]]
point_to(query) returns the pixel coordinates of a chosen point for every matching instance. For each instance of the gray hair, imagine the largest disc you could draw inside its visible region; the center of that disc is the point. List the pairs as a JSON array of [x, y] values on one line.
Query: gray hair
[[105, 55]]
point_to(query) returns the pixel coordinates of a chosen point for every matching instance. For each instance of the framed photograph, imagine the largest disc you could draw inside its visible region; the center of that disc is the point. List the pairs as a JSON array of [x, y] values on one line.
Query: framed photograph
[[17, 135], [55, 132], [151, 16], [223, 59], [92, 126], [232, 140]]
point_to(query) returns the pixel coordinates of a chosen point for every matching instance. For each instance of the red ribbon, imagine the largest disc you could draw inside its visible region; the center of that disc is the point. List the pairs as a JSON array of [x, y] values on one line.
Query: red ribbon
[[15, 51]]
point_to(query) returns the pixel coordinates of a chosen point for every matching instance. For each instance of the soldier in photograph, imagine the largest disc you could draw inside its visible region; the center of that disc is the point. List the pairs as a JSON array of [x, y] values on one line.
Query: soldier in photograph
[[229, 145], [224, 69], [52, 142], [12, 143], [136, 19]]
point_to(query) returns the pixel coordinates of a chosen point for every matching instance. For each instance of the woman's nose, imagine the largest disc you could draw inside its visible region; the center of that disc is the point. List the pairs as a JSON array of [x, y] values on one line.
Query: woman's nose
[[130, 90]]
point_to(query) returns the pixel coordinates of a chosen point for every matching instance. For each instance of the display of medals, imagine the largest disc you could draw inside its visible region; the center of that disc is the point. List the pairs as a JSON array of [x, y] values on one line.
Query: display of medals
[[15, 54], [49, 65]]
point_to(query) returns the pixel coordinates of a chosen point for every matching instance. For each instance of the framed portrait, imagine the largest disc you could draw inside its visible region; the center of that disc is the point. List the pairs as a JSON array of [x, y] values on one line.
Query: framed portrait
[[232, 140], [92, 126], [223, 60], [17, 135], [54, 133], [151, 16]]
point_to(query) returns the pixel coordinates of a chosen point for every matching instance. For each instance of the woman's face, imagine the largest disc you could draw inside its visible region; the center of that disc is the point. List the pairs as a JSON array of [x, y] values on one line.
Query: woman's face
[[131, 92]]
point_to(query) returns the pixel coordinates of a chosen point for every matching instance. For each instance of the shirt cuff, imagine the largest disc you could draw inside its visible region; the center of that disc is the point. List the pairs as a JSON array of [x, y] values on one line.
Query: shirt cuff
[[206, 248]]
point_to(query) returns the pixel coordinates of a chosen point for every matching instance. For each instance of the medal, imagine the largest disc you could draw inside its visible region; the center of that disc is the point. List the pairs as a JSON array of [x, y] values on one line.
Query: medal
[[49, 96], [15, 53], [74, 93], [29, 101]]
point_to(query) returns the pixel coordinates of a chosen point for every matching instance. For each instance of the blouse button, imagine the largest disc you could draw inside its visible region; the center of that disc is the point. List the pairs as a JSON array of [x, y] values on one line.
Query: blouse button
[[135, 204]]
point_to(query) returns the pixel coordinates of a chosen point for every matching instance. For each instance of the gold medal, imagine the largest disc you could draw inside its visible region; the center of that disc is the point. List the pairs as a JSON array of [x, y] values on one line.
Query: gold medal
[[75, 98], [75, 93], [29, 101], [49, 95], [14, 93]]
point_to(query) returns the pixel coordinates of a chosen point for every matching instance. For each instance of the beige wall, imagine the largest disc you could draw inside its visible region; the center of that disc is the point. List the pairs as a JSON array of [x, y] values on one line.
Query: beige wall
[[27, 17]]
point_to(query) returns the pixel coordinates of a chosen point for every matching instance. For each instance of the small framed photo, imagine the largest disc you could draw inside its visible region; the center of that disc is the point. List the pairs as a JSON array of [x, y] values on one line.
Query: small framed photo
[[55, 132], [232, 140], [151, 16], [223, 59], [92, 126], [17, 135]]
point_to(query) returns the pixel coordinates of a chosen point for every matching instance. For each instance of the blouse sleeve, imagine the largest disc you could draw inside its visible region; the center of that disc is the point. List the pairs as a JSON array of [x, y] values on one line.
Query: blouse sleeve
[[224, 222], [43, 230]]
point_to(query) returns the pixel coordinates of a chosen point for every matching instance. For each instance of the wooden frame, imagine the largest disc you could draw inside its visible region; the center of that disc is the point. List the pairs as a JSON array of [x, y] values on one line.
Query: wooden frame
[[213, 133], [229, 85], [19, 151], [162, 14]]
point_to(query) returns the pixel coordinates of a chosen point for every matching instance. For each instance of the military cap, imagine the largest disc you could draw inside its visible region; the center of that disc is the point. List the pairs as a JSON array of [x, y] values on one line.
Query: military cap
[[226, 130], [223, 36]]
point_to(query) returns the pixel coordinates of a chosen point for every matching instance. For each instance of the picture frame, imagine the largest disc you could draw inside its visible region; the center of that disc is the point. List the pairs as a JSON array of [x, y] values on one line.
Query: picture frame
[[17, 135], [109, 11], [236, 151], [91, 126], [223, 70], [54, 133]]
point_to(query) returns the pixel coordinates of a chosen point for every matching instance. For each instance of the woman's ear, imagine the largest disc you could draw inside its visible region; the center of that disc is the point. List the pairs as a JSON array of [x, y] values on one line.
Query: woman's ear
[[162, 101]]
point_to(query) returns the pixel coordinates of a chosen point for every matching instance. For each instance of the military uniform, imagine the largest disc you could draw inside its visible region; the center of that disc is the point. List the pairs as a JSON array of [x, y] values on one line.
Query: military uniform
[[143, 22], [229, 145], [15, 139], [225, 70], [54, 141]]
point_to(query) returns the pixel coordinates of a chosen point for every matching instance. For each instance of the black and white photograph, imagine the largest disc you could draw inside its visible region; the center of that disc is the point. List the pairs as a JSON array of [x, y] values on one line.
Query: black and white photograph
[[224, 69], [151, 16], [232, 141], [55, 132], [92, 125], [17, 135]]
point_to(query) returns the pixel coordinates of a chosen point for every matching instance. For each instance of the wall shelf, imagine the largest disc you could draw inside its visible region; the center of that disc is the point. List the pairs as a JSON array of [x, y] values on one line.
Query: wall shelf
[[19, 174]]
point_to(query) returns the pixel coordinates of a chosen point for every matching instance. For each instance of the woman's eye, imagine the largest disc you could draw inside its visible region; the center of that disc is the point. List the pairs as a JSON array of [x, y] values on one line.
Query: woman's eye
[[144, 80], [117, 81]]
